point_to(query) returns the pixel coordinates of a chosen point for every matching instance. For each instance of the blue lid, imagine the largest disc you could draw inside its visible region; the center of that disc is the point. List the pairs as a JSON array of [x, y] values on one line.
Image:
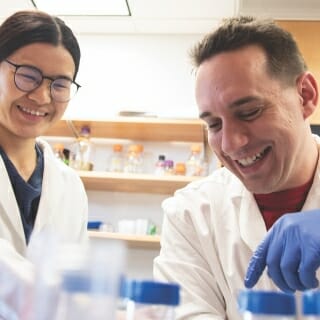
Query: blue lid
[[311, 302], [94, 224], [267, 302], [151, 292]]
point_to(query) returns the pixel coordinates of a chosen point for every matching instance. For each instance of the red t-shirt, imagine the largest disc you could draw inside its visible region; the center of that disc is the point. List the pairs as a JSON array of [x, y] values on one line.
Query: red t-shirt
[[276, 204]]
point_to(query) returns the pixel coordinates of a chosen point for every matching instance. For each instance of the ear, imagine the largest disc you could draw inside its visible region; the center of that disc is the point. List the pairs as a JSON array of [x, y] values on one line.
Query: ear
[[308, 91]]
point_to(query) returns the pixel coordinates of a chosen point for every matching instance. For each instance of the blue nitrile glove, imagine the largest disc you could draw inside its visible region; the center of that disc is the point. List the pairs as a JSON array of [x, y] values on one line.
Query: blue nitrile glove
[[291, 252]]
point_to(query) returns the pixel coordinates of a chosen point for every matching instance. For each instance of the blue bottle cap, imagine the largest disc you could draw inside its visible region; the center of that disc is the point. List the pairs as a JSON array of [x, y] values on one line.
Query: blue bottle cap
[[311, 302], [151, 292], [94, 224], [266, 302], [75, 282]]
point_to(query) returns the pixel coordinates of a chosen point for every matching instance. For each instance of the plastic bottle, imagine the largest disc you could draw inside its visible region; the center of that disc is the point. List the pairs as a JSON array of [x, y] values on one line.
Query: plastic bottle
[[180, 169], [58, 151], [159, 167], [311, 305], [81, 151], [150, 300], [169, 167], [90, 281], [116, 158], [266, 305], [66, 153], [134, 159], [194, 161], [7, 312], [140, 158]]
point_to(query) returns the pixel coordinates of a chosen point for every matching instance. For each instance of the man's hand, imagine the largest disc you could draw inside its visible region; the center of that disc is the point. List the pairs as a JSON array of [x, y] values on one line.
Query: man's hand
[[290, 251]]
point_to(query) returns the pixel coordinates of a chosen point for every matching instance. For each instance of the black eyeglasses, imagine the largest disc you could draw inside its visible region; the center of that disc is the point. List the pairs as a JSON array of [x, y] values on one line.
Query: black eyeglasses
[[28, 78]]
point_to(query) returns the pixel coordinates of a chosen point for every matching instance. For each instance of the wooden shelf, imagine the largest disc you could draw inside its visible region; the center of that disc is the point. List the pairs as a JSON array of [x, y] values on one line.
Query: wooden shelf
[[136, 128], [130, 182], [131, 240]]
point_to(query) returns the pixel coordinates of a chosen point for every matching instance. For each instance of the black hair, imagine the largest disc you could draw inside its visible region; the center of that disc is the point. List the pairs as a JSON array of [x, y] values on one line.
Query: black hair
[[27, 27]]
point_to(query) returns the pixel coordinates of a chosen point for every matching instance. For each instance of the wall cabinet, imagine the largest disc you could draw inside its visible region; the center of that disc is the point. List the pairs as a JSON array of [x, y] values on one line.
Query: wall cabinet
[[142, 129], [306, 34]]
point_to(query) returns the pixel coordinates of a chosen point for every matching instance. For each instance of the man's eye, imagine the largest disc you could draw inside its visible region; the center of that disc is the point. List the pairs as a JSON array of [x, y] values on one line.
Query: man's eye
[[252, 114], [214, 126]]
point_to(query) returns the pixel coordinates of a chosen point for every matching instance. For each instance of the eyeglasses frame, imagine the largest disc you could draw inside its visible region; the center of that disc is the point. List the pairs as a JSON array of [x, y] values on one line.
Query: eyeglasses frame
[[17, 66]]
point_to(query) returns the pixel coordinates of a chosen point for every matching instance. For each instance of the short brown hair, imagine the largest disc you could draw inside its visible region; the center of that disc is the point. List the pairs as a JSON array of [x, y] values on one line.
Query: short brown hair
[[284, 58]]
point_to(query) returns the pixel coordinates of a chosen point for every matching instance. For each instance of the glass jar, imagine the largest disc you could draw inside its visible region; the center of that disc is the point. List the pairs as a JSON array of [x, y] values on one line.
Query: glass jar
[[150, 300], [266, 305]]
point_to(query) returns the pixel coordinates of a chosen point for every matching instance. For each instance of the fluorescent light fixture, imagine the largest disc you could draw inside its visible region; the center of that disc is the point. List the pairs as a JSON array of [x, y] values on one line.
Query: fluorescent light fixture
[[84, 7]]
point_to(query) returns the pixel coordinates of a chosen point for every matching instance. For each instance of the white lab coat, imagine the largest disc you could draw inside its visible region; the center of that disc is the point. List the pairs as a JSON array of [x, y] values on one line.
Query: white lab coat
[[63, 208], [210, 230]]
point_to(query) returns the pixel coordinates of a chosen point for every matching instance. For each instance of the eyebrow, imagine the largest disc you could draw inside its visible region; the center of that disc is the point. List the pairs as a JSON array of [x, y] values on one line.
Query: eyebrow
[[52, 78], [234, 104]]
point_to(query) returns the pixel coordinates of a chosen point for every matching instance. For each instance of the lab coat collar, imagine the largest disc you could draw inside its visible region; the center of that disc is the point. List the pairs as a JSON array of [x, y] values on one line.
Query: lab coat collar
[[52, 189], [250, 217], [251, 224], [313, 197]]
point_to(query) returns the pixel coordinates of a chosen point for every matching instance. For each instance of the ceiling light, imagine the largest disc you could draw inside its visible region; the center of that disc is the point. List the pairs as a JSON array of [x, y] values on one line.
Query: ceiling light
[[84, 7]]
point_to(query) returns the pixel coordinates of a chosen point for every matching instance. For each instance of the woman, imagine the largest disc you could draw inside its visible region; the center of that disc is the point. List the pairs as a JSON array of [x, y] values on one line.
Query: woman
[[39, 61]]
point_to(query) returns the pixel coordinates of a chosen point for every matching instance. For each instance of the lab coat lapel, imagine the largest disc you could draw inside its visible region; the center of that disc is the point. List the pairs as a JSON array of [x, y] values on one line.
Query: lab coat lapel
[[8, 202], [313, 197], [51, 194], [251, 224]]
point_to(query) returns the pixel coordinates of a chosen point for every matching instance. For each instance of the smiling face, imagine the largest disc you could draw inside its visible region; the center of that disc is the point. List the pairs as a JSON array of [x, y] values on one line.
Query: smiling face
[[257, 124], [26, 115]]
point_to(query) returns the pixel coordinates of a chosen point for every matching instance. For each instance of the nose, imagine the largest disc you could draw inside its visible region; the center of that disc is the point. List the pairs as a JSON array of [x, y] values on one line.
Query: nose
[[41, 94], [234, 137]]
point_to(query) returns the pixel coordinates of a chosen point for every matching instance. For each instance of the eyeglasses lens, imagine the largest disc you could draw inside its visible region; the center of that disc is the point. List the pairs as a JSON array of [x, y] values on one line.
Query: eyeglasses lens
[[63, 89], [28, 79]]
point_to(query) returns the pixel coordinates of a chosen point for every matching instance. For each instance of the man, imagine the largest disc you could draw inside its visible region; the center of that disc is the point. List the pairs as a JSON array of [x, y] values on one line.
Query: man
[[255, 94]]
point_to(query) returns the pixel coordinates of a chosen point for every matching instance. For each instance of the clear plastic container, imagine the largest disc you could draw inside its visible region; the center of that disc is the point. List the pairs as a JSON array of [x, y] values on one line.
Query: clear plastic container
[[90, 281], [116, 159], [7, 312], [150, 300], [58, 152], [169, 167], [160, 165], [194, 163], [311, 305], [134, 159], [266, 305], [180, 169], [82, 151]]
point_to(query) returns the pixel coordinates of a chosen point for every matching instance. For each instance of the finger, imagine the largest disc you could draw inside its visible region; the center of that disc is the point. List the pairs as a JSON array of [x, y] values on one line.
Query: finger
[[276, 275], [310, 262], [257, 263], [274, 262], [290, 263]]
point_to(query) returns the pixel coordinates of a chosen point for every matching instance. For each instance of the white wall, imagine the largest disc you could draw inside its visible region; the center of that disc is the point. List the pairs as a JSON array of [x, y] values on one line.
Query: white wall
[[134, 72]]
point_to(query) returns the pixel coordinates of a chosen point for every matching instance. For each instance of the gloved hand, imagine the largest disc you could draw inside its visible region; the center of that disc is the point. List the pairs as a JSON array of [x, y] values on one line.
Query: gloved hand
[[290, 251]]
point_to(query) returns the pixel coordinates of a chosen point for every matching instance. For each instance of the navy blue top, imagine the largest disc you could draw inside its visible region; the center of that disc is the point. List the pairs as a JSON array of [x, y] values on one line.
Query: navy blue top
[[27, 193]]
